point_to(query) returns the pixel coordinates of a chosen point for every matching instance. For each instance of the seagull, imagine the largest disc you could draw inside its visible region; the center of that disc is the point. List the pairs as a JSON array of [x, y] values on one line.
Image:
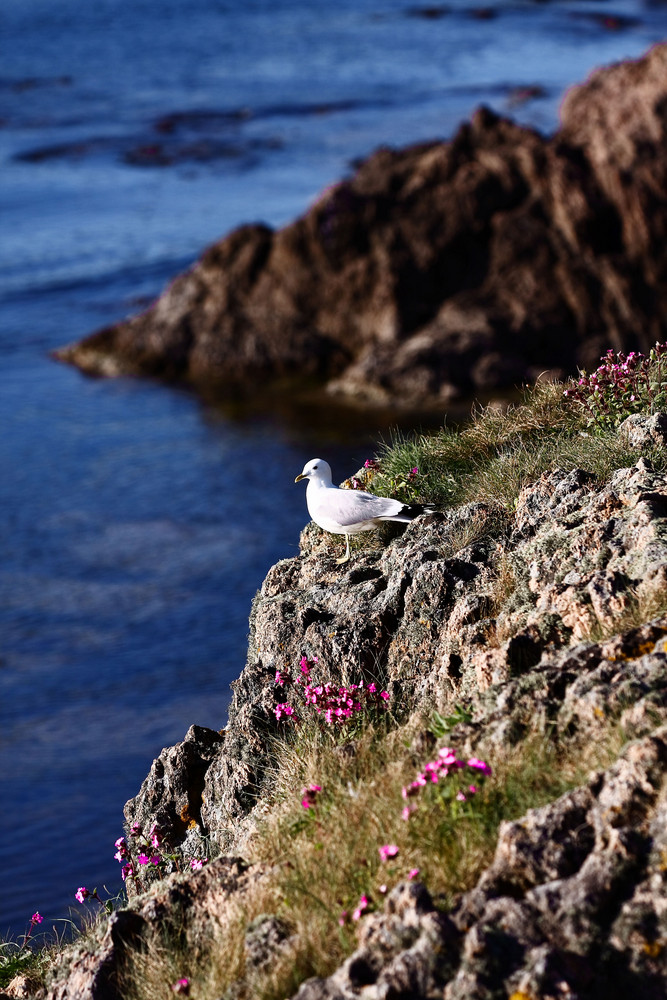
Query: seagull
[[346, 512]]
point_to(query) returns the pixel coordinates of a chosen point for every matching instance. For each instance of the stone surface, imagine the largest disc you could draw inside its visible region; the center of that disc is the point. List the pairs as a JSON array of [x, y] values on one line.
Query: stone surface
[[511, 615], [435, 618], [574, 905], [439, 269]]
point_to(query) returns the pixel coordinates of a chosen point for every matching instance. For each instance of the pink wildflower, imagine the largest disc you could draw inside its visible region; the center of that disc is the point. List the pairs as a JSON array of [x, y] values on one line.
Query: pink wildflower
[[81, 894], [36, 918], [407, 811], [460, 797], [413, 873], [479, 765], [182, 986], [342, 918], [310, 795], [135, 829], [388, 851], [127, 871], [284, 709], [198, 863], [143, 859], [362, 905], [382, 889]]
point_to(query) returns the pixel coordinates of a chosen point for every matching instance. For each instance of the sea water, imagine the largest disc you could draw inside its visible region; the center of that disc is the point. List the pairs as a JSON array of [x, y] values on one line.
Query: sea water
[[137, 521]]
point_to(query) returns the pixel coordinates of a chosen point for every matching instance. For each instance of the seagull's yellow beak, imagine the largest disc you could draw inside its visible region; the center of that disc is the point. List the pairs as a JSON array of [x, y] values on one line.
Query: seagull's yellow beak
[[300, 477]]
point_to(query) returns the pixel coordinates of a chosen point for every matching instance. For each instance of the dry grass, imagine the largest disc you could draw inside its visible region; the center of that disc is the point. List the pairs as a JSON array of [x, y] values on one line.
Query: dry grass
[[320, 861]]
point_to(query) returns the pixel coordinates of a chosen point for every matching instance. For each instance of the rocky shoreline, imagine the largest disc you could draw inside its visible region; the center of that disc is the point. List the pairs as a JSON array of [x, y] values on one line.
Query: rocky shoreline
[[548, 623], [439, 270]]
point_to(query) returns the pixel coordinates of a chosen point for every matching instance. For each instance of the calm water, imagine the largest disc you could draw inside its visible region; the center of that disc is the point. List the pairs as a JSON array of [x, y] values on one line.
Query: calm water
[[137, 522]]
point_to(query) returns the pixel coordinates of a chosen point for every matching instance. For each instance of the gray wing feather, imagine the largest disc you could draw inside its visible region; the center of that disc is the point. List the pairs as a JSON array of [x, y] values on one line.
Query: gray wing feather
[[349, 507]]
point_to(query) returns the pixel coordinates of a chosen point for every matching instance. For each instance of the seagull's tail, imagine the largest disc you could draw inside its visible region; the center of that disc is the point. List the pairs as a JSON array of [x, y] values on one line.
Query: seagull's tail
[[410, 511]]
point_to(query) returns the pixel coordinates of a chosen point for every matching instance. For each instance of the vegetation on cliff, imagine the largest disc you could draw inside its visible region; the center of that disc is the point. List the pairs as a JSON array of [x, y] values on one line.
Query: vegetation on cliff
[[357, 795]]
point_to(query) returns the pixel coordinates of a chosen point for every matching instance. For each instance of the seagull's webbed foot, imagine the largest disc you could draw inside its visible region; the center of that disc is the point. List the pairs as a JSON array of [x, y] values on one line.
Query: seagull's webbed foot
[[345, 558]]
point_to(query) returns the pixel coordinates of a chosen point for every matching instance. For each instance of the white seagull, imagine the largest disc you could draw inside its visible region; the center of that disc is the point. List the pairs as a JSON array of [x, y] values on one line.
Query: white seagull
[[346, 512]]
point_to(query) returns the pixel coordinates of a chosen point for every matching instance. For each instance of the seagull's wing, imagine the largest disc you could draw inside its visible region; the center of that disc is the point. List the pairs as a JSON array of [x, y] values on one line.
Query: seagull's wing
[[350, 507]]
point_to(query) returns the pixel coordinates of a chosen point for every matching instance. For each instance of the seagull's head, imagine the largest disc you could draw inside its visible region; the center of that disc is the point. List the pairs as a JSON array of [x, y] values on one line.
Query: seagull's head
[[317, 470]]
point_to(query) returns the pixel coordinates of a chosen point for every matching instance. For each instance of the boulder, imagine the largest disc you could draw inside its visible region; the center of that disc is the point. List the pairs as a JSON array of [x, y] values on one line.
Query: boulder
[[441, 269]]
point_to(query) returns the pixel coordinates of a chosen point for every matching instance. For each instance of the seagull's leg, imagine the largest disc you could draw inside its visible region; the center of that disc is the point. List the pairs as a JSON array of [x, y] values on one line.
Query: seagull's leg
[[344, 559]]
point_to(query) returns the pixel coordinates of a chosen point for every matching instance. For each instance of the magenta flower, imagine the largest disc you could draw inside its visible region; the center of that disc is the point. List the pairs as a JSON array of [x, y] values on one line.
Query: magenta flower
[[198, 863], [135, 829], [479, 765], [36, 918], [460, 797], [143, 859], [127, 871], [388, 851], [182, 986], [413, 873], [82, 894], [284, 709], [362, 905], [310, 795]]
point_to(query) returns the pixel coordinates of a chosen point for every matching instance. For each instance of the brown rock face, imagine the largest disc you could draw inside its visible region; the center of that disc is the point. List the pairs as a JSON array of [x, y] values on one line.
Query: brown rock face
[[440, 269]]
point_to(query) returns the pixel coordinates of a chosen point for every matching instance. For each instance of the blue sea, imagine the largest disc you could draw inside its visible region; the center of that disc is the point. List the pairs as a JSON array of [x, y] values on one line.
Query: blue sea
[[137, 521]]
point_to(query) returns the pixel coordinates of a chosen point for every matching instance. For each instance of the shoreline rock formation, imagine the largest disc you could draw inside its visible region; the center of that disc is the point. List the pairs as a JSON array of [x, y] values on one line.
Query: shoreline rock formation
[[499, 611], [439, 270]]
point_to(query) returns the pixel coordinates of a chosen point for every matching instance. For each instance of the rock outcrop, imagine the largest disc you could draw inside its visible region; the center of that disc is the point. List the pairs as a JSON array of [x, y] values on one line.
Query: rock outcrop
[[546, 621], [574, 905], [440, 269]]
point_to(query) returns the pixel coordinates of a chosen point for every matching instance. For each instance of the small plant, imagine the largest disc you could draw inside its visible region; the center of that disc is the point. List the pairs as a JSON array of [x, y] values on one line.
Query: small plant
[[328, 703], [465, 778], [18, 956], [442, 725], [82, 895], [153, 860], [623, 384]]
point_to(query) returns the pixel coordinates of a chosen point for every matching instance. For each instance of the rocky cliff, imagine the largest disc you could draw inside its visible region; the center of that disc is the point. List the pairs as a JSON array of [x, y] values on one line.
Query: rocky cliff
[[548, 623], [437, 270]]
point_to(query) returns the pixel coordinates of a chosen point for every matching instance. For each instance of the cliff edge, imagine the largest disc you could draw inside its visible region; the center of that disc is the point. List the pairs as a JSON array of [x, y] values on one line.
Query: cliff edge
[[533, 637]]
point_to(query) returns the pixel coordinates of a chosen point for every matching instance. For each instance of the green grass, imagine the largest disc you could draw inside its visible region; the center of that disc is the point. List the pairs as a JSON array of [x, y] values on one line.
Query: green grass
[[501, 452]]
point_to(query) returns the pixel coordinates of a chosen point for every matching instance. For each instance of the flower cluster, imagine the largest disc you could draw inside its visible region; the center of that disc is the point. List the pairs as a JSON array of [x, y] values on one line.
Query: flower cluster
[[463, 775], [310, 796], [335, 705], [621, 385], [152, 854]]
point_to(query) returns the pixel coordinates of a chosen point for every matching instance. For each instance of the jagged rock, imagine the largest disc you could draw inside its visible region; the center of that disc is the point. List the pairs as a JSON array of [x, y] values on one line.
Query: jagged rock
[[177, 908], [645, 432], [573, 905], [424, 618], [440, 269], [408, 951], [171, 798]]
